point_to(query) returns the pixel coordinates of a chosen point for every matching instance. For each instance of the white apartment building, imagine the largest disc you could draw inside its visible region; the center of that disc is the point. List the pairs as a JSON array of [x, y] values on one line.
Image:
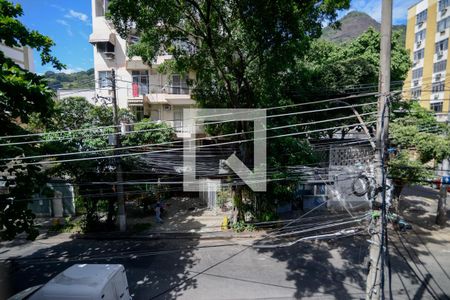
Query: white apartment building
[[139, 86], [23, 56]]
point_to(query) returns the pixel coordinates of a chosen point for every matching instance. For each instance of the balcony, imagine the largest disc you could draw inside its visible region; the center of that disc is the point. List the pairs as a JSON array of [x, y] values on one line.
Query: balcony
[[137, 90]]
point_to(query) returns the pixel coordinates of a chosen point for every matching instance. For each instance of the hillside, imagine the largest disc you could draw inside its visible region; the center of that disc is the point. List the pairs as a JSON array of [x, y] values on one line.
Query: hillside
[[353, 25], [78, 80]]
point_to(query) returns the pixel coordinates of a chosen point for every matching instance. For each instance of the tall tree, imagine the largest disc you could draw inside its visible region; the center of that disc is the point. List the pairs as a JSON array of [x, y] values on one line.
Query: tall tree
[[21, 94], [239, 50], [421, 142], [74, 113]]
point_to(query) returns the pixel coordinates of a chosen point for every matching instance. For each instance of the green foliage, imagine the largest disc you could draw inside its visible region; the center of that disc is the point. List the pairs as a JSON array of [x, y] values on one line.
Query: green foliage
[[148, 132], [415, 130], [14, 34], [405, 170], [222, 197], [22, 94], [77, 80], [241, 226]]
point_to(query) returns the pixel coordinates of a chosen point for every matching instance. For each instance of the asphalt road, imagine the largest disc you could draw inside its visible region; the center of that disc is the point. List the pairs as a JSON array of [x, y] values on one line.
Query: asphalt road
[[199, 269]]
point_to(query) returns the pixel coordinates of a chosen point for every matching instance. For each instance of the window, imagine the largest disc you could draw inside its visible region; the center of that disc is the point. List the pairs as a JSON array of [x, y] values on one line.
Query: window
[[443, 4], [419, 54], [104, 79], [101, 6], [179, 84], [417, 73], [441, 46], [103, 47], [436, 107], [416, 93], [438, 87], [440, 66], [443, 24], [420, 36], [140, 82], [421, 17], [138, 112]]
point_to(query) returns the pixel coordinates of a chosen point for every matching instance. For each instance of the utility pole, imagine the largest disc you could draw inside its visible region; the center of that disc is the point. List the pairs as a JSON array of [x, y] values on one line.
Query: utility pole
[[441, 217], [117, 144], [375, 278]]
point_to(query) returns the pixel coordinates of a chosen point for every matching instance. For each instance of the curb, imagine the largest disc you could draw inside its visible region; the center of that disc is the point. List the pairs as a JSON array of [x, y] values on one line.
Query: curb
[[167, 236]]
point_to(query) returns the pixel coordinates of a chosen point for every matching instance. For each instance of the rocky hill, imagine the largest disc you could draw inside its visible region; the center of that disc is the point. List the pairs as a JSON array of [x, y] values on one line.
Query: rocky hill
[[353, 25]]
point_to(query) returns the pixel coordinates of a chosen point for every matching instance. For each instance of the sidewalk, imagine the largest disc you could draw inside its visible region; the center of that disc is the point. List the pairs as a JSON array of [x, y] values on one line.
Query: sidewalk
[[183, 214]]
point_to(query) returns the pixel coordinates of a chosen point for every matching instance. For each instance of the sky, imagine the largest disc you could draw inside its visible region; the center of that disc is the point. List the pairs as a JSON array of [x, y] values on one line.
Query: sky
[[68, 23]]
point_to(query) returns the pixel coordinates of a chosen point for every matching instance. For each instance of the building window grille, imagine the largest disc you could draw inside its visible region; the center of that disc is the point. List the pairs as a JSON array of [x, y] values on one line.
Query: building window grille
[[436, 107], [417, 73], [441, 46], [443, 24], [416, 93], [443, 4], [440, 66], [419, 54], [105, 47], [104, 79], [178, 84], [421, 17], [420, 36], [140, 82], [438, 87]]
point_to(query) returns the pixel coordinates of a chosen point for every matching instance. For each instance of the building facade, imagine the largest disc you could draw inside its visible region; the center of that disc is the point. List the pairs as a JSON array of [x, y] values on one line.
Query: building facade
[[140, 87], [23, 56], [427, 38]]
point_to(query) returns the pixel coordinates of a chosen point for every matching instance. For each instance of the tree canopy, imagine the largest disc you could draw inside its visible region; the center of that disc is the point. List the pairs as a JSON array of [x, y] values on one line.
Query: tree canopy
[[420, 142], [22, 94]]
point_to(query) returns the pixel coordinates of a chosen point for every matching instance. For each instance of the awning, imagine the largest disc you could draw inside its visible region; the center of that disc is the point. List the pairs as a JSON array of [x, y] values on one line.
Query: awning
[[99, 37], [185, 101], [155, 99]]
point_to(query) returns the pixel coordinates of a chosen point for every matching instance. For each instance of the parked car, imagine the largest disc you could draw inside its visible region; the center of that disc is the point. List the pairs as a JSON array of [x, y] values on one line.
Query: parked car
[[437, 184], [82, 282]]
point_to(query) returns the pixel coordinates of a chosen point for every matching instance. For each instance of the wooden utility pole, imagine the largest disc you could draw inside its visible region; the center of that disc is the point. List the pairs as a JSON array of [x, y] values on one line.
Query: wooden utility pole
[[375, 278], [117, 144]]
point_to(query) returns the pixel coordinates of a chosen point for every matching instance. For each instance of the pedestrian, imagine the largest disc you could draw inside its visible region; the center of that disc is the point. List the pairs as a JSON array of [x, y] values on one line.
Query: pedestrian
[[158, 212]]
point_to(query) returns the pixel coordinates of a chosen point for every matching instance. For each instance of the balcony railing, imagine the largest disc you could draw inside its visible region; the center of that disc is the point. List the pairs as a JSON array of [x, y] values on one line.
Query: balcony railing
[[136, 90]]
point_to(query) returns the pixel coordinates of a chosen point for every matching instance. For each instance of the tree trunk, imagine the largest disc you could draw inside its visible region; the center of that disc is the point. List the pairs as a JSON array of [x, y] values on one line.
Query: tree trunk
[[441, 217]]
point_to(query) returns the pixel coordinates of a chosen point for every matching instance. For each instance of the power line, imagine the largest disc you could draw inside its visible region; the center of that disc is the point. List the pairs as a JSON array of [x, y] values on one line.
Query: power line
[[169, 150], [196, 125], [136, 123]]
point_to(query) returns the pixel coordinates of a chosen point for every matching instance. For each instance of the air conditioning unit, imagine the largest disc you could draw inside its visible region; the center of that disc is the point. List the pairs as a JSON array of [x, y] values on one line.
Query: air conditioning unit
[[440, 53], [420, 24], [109, 55], [419, 43], [415, 63], [436, 97], [167, 107], [416, 82], [443, 11], [438, 77]]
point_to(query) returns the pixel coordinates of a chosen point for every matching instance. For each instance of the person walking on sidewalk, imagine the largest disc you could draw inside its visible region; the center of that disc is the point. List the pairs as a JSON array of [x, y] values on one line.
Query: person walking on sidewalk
[[158, 212]]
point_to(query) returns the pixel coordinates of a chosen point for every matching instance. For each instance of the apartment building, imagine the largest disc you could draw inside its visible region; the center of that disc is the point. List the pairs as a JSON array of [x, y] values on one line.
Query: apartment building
[[140, 87], [427, 37], [23, 56]]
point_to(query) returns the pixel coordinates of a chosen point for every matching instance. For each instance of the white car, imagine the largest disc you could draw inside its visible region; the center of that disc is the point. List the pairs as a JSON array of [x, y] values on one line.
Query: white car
[[82, 282]]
